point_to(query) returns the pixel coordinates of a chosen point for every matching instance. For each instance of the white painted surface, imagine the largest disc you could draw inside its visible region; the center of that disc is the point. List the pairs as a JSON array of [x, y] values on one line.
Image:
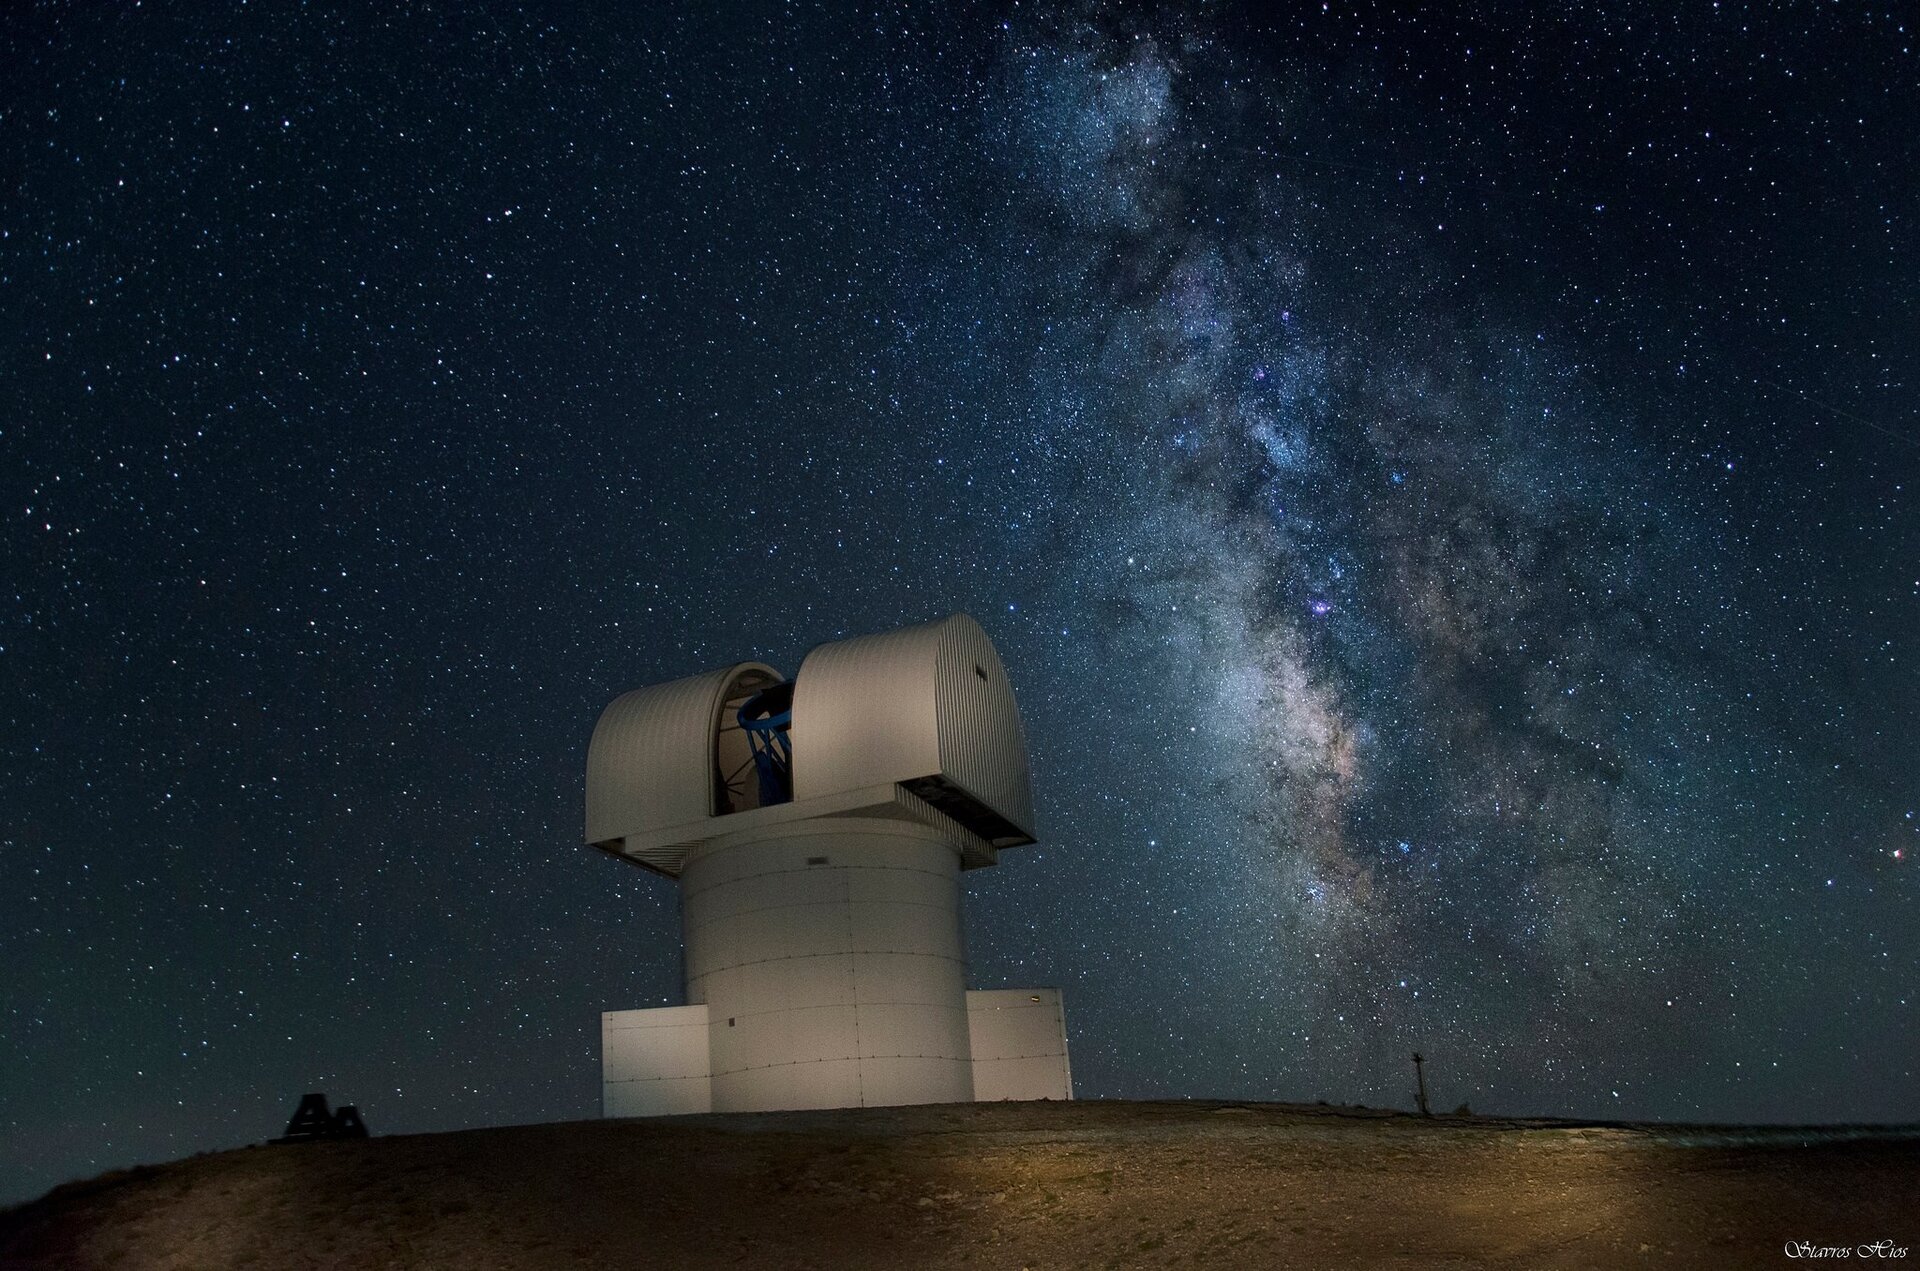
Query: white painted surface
[[829, 956], [1019, 1044], [983, 747], [653, 1063], [824, 953], [924, 701], [650, 765]]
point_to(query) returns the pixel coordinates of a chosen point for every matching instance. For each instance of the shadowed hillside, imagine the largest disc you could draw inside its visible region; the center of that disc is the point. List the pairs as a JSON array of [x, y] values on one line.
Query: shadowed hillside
[[999, 1185]]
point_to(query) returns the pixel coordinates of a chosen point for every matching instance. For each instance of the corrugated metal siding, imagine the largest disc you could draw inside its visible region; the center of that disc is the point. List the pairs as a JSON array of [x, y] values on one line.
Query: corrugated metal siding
[[982, 746], [863, 712], [650, 763], [908, 704]]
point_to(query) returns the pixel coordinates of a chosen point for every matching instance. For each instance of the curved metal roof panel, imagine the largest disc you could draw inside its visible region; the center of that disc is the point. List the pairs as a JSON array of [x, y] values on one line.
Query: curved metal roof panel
[[928, 707], [650, 763]]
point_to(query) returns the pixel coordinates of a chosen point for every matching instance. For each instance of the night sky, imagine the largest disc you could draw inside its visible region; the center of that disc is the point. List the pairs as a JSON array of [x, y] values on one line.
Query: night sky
[[1446, 490]]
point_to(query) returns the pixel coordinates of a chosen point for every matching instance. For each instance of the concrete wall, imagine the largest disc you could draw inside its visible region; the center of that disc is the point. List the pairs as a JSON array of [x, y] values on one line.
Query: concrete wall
[[1019, 1043], [654, 1063], [828, 954]]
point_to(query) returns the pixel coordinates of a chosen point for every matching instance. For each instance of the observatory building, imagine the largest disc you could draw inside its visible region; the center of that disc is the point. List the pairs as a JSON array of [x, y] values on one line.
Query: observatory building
[[817, 827]]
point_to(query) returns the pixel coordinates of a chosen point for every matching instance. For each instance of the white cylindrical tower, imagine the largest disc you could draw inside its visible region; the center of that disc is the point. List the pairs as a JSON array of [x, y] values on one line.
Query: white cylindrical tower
[[830, 960], [818, 827]]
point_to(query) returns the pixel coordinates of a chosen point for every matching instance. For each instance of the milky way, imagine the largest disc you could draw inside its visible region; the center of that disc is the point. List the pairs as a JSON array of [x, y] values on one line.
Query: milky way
[[1442, 489], [1409, 597]]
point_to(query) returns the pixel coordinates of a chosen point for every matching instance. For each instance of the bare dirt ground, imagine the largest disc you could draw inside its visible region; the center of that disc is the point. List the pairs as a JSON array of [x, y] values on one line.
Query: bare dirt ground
[[1092, 1184]]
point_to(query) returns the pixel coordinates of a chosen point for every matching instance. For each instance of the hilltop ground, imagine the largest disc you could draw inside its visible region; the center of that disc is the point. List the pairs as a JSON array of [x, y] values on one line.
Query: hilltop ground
[[1089, 1184]]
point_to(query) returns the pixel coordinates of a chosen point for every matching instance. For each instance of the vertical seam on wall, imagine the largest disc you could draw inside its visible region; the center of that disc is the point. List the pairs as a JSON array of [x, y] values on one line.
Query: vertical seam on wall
[[1060, 1024], [853, 980]]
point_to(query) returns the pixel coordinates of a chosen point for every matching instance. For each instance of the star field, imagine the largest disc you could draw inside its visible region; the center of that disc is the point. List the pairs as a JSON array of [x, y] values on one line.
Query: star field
[[1443, 487]]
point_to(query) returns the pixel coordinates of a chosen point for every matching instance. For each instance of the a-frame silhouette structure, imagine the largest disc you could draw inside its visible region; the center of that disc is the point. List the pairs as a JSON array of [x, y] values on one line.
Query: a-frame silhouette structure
[[312, 1122]]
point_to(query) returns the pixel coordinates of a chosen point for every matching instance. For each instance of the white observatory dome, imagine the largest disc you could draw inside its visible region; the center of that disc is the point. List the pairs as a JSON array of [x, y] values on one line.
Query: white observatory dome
[[818, 828], [926, 708]]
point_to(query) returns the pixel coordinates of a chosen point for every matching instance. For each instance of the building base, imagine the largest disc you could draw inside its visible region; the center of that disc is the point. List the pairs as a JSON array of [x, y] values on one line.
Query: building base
[[657, 1062]]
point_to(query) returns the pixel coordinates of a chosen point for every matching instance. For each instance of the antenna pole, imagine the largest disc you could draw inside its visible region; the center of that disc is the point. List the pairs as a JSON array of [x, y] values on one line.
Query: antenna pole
[[1420, 1082]]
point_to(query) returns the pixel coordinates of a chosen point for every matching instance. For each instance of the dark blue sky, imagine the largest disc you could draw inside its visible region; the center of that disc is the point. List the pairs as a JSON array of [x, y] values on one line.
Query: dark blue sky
[[1444, 491]]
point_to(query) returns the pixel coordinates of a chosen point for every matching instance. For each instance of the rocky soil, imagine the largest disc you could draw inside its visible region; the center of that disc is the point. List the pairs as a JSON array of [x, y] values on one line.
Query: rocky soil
[[1090, 1184]]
